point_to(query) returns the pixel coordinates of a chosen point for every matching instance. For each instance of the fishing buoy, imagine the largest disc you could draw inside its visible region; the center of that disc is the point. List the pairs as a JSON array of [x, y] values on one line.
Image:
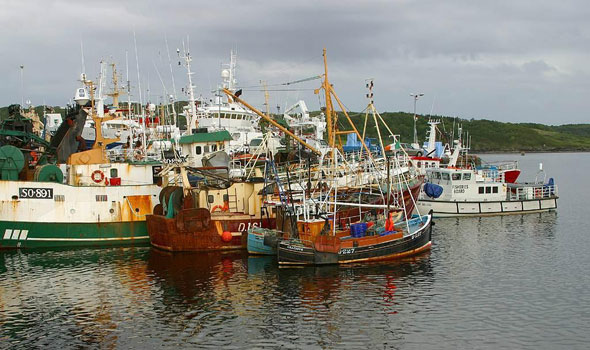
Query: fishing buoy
[[226, 236]]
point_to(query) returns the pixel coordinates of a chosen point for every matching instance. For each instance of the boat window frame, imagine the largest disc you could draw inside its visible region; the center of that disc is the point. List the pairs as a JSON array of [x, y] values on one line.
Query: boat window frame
[[448, 177], [488, 189], [456, 176], [481, 190], [467, 176], [198, 150]]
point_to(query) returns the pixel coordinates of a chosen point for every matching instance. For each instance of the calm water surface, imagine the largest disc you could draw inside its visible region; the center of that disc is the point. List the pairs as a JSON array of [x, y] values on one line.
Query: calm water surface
[[499, 282]]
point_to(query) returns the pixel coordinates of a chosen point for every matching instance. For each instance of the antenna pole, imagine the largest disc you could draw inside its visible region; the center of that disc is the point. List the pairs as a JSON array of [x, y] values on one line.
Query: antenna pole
[[22, 87], [172, 97]]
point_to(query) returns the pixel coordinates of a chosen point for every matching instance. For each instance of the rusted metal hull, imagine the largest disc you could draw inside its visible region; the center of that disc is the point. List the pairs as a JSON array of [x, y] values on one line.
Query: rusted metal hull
[[197, 230]]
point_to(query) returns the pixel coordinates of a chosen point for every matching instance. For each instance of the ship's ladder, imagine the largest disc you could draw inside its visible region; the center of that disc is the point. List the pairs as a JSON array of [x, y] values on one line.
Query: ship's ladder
[[283, 197]]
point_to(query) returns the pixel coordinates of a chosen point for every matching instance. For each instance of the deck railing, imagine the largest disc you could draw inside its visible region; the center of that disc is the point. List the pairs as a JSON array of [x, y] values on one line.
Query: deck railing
[[532, 192]]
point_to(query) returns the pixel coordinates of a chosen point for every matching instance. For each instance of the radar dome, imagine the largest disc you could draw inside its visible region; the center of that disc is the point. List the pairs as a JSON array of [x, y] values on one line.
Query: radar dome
[[225, 73]]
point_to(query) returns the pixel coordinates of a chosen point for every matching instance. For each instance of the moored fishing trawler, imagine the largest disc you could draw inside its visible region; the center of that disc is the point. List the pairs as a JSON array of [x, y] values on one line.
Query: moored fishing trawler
[[484, 192], [319, 231], [86, 201], [408, 238], [192, 218]]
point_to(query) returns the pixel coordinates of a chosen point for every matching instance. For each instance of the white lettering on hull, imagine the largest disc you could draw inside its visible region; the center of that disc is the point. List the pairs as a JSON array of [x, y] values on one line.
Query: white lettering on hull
[[242, 226]]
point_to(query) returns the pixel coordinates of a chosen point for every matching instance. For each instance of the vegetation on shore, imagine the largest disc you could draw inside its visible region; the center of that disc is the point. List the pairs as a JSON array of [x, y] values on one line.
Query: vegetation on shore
[[486, 135]]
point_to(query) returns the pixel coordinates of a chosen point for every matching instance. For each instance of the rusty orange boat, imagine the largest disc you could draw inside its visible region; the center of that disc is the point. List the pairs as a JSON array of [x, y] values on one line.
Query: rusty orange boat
[[182, 225]]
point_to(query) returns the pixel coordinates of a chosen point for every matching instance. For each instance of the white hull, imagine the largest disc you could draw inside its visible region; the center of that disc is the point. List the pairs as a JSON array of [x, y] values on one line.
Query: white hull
[[457, 209]]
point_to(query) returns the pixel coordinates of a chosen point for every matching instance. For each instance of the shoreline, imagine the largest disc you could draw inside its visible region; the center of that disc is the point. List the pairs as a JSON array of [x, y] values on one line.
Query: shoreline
[[525, 152]]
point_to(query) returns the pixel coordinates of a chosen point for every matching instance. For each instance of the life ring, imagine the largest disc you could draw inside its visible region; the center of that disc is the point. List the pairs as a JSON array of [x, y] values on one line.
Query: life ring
[[97, 176], [224, 207]]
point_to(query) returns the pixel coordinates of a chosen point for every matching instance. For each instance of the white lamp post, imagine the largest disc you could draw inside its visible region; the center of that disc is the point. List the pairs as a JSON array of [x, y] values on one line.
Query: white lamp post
[[416, 96]]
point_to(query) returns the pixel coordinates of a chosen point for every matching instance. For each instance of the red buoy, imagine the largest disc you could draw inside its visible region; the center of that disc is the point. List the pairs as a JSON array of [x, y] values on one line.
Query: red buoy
[[226, 236]]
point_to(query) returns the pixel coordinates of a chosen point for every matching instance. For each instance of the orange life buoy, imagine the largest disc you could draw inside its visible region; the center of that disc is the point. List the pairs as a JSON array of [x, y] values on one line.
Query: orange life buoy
[[97, 176], [224, 207]]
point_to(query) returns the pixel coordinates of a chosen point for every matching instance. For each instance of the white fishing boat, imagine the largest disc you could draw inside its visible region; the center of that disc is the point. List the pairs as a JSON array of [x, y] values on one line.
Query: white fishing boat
[[86, 201], [467, 192]]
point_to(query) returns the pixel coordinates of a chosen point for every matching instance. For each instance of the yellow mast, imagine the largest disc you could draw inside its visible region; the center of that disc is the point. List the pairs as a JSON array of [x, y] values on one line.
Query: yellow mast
[[116, 92], [97, 154], [329, 109], [331, 116], [266, 98]]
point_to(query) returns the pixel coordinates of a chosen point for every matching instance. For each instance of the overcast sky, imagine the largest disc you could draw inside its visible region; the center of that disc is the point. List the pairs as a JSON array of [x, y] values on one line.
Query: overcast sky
[[522, 61]]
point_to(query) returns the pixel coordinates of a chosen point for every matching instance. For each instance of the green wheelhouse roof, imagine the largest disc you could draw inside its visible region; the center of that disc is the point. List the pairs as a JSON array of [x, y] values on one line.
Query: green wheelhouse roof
[[206, 137]]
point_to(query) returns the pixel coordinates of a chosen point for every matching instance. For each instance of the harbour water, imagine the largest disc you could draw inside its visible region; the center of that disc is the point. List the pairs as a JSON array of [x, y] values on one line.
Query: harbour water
[[518, 282]]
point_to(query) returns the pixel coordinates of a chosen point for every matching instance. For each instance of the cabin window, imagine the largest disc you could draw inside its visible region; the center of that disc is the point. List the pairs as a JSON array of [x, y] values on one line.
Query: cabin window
[[436, 175], [235, 136], [210, 198], [115, 172], [198, 149], [488, 189], [481, 190], [206, 148], [456, 176], [445, 176], [419, 164], [495, 189], [213, 148], [467, 176]]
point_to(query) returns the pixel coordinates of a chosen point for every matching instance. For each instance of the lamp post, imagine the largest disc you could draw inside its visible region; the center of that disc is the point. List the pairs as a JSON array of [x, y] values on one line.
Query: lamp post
[[22, 87], [416, 96]]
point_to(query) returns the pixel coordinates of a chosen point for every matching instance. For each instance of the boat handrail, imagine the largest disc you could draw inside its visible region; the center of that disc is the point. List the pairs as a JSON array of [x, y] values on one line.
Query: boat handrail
[[536, 191]]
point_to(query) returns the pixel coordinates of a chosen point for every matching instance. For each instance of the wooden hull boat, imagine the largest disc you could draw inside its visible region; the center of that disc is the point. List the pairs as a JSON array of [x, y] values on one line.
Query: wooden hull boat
[[343, 249]]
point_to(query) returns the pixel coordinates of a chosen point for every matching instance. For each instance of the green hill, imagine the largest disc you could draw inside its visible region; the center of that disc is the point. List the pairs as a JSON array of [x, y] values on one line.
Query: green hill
[[488, 135]]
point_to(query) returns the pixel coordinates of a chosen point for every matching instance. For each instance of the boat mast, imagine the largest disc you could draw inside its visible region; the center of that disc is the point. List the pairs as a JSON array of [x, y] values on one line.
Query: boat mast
[[116, 92], [329, 109], [193, 112], [173, 97], [331, 117], [143, 125]]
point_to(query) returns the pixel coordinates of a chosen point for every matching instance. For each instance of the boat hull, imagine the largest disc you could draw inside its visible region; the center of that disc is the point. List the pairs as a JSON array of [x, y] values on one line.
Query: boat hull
[[491, 208], [256, 244], [64, 235], [60, 215], [198, 230], [294, 253]]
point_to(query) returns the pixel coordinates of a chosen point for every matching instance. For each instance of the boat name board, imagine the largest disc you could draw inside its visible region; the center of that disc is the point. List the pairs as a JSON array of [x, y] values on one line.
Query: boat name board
[[35, 193], [242, 226], [460, 188], [181, 159], [346, 250], [297, 248]]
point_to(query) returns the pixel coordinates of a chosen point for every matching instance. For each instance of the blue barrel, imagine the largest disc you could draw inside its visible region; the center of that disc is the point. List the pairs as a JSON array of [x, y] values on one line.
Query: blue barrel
[[362, 229], [354, 230]]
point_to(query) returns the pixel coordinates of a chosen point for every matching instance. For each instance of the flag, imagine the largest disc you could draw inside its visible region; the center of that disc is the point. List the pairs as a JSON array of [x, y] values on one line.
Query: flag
[[238, 93]]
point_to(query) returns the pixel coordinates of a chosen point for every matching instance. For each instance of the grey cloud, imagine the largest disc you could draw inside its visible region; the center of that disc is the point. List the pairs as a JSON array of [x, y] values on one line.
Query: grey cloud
[[501, 60]]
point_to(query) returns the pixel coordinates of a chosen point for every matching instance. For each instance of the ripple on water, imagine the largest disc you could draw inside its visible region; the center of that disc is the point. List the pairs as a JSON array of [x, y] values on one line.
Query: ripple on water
[[498, 282]]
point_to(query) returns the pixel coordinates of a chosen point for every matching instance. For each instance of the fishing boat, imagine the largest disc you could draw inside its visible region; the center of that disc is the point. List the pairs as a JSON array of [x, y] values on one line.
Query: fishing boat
[[83, 200], [404, 239], [324, 233], [484, 192], [191, 218]]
